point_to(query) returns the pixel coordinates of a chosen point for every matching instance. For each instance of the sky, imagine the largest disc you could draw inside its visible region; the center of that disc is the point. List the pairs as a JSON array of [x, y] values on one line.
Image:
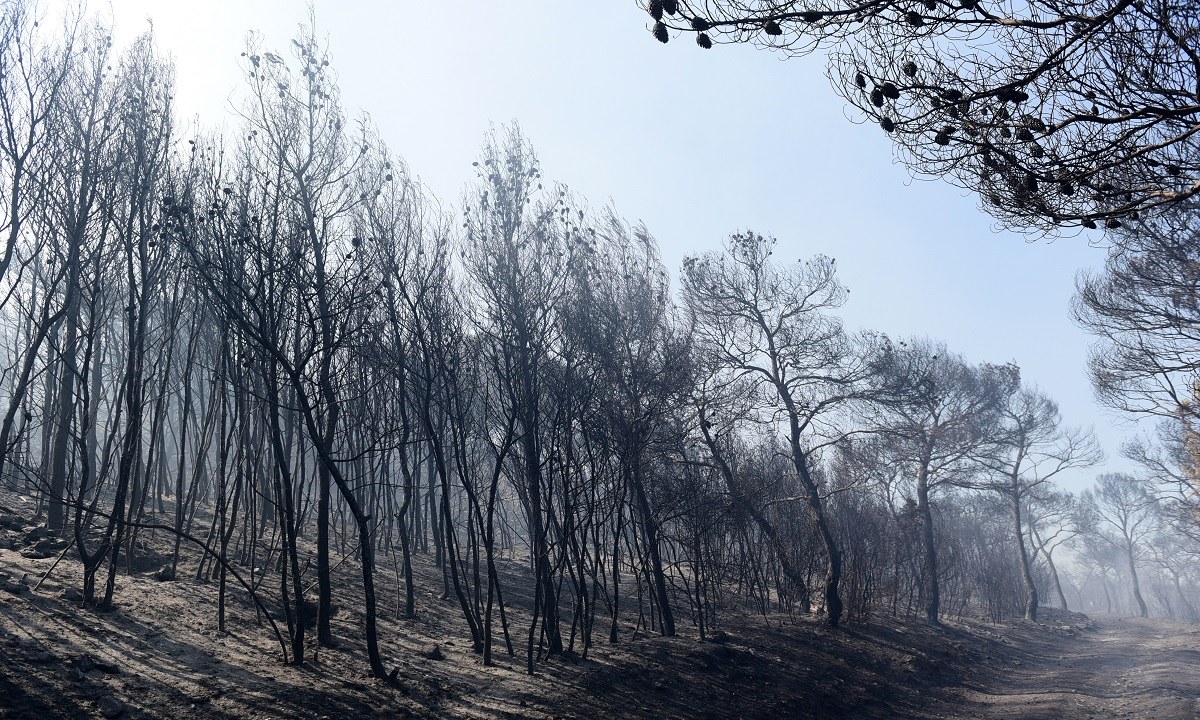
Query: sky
[[697, 144]]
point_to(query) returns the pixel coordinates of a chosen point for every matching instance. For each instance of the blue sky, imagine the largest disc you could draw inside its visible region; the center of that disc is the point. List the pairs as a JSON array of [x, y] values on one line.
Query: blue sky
[[696, 143]]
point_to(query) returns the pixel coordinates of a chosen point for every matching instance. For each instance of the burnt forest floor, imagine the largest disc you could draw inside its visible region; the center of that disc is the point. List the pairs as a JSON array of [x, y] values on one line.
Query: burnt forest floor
[[158, 654]]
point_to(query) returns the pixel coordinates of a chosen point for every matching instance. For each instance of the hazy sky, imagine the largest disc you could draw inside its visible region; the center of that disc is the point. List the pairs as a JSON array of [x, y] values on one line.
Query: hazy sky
[[696, 143]]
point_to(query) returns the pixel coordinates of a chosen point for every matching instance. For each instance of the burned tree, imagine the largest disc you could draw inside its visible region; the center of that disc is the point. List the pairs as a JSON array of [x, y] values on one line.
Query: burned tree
[[1123, 516], [940, 415], [1032, 449], [1145, 310], [517, 257], [771, 324], [1055, 114]]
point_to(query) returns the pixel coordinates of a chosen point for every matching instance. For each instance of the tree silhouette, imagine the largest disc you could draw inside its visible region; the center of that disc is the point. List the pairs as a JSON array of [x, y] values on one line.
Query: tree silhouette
[[1124, 516], [1145, 309], [1058, 114], [939, 415], [770, 323]]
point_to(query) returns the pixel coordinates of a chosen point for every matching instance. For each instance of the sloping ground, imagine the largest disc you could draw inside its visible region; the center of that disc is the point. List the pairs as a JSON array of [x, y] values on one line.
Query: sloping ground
[[159, 655]]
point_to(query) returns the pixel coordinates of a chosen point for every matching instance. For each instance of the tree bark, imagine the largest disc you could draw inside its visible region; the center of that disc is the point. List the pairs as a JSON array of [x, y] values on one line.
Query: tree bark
[[929, 568], [1031, 593]]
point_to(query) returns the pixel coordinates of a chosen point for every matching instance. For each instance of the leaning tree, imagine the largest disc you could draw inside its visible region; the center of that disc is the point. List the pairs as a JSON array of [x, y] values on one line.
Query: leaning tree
[[1123, 516], [1033, 448], [1058, 113], [939, 415], [772, 326]]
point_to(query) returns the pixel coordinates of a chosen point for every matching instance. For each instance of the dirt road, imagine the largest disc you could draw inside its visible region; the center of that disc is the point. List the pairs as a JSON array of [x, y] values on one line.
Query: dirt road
[[1120, 668]]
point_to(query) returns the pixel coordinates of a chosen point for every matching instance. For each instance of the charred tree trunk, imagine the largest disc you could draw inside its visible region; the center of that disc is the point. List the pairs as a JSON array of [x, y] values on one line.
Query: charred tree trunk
[[929, 568], [1031, 593]]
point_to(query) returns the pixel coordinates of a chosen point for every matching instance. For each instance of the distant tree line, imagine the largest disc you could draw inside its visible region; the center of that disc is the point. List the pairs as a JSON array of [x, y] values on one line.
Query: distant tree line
[[276, 349]]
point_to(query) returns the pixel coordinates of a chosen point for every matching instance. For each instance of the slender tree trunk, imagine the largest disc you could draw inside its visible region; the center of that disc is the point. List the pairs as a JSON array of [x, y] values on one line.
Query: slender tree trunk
[[1133, 578], [1058, 589], [739, 497], [66, 390], [650, 538], [402, 517], [288, 521], [1031, 593], [816, 509], [616, 565], [930, 563], [324, 586]]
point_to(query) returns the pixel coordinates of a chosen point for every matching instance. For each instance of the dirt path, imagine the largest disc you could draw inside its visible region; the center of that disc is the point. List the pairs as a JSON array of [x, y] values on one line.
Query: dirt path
[[1119, 668]]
